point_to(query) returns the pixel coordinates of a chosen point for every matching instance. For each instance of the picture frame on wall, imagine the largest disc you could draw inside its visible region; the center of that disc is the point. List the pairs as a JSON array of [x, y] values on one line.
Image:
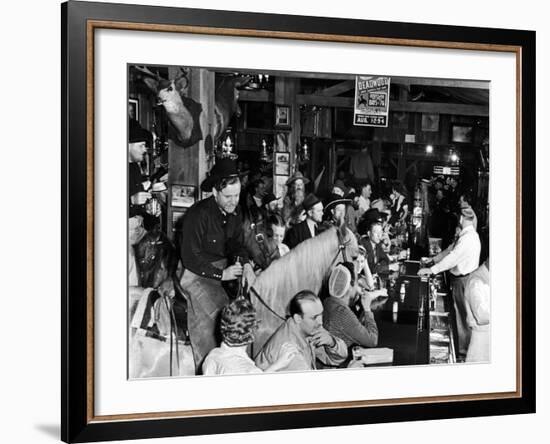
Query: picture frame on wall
[[100, 401], [183, 195], [133, 109], [430, 122], [282, 163], [462, 133], [282, 117]]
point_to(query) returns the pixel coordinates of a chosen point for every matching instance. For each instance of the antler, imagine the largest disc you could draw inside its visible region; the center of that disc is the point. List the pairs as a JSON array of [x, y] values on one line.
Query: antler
[[147, 71], [181, 76]]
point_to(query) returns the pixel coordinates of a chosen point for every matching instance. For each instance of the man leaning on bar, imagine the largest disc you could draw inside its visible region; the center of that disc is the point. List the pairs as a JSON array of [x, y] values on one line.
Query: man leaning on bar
[[461, 258]]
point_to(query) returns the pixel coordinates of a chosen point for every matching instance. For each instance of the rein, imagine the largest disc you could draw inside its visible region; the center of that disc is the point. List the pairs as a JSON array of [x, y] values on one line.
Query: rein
[[264, 303], [342, 243]]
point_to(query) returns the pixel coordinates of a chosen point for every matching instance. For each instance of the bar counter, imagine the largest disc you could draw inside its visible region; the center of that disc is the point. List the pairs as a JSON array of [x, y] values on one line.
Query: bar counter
[[405, 331]]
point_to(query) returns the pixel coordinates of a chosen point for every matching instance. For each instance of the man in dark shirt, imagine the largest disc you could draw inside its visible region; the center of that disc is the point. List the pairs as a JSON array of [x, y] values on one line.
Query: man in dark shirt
[[212, 238], [378, 260], [137, 147], [309, 227], [139, 186]]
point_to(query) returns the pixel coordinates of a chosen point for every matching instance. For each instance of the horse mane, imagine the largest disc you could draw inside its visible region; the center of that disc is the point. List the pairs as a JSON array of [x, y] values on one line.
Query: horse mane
[[303, 268]]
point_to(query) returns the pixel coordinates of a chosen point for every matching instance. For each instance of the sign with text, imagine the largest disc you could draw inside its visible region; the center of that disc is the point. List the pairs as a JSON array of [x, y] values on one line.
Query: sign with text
[[372, 101]]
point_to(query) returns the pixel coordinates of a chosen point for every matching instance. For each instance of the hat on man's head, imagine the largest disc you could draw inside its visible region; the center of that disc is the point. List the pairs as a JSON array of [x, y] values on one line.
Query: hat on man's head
[[297, 175], [339, 184], [371, 216], [341, 279], [223, 169], [268, 198], [335, 199], [467, 211], [309, 201], [138, 134]]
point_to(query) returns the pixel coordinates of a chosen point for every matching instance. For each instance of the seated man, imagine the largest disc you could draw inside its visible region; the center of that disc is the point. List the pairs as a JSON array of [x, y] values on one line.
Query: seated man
[[304, 329], [339, 319], [378, 260]]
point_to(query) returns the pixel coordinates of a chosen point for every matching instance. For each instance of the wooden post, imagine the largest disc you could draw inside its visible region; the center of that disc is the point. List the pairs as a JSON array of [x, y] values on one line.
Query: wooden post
[[401, 164], [189, 165], [285, 94]]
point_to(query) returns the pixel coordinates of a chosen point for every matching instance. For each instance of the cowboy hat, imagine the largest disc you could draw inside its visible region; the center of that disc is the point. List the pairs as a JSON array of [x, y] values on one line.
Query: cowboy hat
[[334, 200], [309, 201], [339, 183], [371, 216], [297, 175], [137, 134], [223, 169], [268, 198]]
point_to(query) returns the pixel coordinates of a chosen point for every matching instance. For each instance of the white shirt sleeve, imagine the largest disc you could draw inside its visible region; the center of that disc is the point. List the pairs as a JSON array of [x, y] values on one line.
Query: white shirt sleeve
[[452, 258]]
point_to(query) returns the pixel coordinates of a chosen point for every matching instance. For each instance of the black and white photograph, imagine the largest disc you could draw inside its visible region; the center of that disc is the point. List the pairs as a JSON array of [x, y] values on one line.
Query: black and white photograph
[[275, 222], [356, 241], [282, 116], [183, 195], [282, 164]]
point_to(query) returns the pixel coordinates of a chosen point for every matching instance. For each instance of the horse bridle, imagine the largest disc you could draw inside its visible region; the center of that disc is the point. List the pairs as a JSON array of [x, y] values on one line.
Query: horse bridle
[[342, 244]]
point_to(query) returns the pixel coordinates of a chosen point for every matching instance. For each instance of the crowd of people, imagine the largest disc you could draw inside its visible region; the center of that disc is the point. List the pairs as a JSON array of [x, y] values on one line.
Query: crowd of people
[[231, 236]]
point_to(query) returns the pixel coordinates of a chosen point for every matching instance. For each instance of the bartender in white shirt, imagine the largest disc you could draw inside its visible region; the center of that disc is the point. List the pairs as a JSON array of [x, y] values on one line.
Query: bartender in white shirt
[[461, 258]]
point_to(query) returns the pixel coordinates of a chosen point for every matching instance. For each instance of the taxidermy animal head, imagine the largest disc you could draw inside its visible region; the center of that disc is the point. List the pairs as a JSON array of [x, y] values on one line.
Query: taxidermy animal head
[[183, 113]]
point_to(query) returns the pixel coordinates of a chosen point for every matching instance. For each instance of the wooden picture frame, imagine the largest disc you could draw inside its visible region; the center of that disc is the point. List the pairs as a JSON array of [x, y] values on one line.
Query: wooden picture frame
[[462, 133], [133, 108], [183, 196], [282, 163], [80, 22], [283, 117]]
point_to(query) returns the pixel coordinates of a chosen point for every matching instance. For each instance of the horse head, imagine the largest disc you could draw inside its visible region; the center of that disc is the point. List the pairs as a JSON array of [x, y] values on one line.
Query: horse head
[[305, 267], [156, 259], [347, 242]]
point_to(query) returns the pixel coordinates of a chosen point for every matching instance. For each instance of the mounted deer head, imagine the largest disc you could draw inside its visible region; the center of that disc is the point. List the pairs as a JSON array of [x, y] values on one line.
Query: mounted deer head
[[183, 112]]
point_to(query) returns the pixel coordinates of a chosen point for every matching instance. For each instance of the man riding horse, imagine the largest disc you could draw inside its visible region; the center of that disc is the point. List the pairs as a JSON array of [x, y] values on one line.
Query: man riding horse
[[212, 239]]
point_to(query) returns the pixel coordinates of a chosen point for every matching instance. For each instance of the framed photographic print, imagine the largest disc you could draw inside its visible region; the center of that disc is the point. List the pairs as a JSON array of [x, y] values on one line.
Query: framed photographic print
[[149, 333], [282, 163], [462, 133], [282, 116], [430, 122], [176, 218], [133, 109], [183, 195]]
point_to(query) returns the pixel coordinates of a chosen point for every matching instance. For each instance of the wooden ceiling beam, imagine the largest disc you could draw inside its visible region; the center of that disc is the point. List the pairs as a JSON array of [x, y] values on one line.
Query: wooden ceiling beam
[[451, 83], [260, 95], [413, 107], [337, 89]]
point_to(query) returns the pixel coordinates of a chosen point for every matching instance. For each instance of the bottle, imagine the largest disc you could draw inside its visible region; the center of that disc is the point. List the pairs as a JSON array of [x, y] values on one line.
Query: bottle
[[402, 293]]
